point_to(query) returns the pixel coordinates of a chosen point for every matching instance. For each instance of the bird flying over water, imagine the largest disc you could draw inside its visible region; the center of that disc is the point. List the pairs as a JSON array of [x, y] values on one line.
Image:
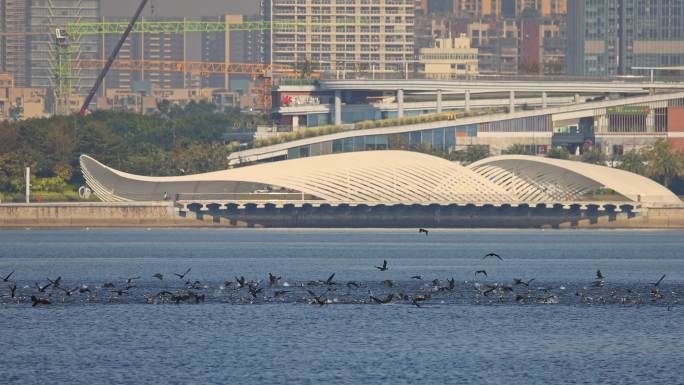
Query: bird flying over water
[[483, 272], [182, 276], [13, 291], [41, 289], [383, 267], [6, 279], [131, 279], [56, 282], [418, 277], [423, 231], [330, 280], [159, 276], [495, 255], [659, 281], [599, 275], [519, 281], [241, 281], [383, 301]]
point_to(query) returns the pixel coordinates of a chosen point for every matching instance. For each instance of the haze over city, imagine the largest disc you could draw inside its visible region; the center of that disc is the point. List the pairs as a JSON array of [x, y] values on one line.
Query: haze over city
[[181, 8], [341, 192]]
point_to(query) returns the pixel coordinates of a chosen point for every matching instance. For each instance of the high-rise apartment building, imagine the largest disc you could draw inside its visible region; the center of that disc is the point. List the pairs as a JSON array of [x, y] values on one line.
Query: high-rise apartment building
[[232, 46], [341, 35], [148, 46], [609, 37], [477, 9], [53, 14], [13, 44]]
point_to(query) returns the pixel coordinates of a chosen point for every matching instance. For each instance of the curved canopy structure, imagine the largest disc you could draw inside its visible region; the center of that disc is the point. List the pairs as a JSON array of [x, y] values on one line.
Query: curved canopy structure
[[540, 179], [376, 177], [383, 177]]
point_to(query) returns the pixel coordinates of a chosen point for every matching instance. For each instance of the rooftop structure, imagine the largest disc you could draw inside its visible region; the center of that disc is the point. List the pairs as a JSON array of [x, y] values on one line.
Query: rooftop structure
[[384, 178], [449, 58]]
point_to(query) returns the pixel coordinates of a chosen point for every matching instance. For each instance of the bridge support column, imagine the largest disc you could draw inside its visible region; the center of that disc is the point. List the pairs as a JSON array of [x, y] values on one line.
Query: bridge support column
[[467, 100], [338, 108], [545, 102], [400, 103], [578, 98], [439, 101], [511, 102]]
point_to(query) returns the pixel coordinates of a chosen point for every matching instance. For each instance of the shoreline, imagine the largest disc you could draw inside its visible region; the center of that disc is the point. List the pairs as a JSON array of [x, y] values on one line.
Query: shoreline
[[92, 215]]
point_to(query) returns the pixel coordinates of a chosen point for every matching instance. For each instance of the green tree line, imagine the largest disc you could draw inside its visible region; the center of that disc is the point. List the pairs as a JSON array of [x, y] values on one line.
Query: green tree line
[[176, 140]]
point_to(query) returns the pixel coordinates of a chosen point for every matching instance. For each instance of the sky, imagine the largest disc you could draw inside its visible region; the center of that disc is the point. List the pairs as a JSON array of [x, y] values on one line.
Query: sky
[[178, 8]]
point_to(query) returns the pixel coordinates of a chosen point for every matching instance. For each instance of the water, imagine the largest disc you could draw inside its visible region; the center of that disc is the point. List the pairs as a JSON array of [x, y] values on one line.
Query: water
[[458, 336]]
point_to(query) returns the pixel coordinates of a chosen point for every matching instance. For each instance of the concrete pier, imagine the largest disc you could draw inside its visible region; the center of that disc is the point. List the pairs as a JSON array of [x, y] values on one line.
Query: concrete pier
[[167, 214]]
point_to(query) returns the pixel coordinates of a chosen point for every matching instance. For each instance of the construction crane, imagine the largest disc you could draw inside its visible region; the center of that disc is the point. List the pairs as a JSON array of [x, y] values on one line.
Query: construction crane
[[261, 73], [181, 26], [73, 31], [195, 67], [112, 57]]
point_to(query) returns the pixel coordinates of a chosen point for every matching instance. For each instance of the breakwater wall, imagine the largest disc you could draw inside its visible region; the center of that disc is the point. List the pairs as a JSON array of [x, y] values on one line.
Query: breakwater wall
[[165, 214], [152, 214]]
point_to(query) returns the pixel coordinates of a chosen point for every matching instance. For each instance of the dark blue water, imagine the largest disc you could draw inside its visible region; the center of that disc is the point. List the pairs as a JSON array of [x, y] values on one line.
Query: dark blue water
[[620, 333]]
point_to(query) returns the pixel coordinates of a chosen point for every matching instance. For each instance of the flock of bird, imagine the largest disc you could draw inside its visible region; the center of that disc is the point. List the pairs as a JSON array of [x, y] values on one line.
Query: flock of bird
[[414, 291]]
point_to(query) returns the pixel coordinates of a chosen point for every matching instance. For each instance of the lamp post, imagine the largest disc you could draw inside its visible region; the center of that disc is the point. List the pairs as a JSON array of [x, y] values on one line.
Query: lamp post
[[28, 184]]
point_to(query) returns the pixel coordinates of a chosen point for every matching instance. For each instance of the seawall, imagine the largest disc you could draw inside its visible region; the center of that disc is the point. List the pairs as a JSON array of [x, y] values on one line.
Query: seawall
[[165, 214]]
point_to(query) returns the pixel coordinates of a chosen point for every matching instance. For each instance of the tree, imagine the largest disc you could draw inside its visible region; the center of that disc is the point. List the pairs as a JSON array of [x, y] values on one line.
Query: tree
[[305, 69], [594, 155], [558, 153], [518, 149], [662, 163], [632, 161], [471, 154]]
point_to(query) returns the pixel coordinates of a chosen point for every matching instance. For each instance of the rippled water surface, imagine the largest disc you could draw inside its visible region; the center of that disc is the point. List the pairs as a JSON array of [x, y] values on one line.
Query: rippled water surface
[[563, 328]]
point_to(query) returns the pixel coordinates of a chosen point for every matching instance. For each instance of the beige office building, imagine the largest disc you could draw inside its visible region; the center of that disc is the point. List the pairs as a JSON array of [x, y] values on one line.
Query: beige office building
[[449, 58], [341, 35]]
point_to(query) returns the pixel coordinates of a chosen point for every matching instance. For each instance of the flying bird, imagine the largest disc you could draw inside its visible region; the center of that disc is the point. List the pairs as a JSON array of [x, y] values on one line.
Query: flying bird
[[352, 284], [599, 275], [518, 281], [495, 255], [6, 279], [383, 301], [159, 276], [131, 279], [418, 277], [56, 282], [423, 231], [241, 281], [41, 289], [182, 276], [483, 272], [330, 280], [659, 281], [383, 267], [13, 291]]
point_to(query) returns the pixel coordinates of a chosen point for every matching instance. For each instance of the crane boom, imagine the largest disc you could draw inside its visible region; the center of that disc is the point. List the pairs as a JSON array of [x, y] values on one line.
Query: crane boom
[[201, 67], [112, 57]]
